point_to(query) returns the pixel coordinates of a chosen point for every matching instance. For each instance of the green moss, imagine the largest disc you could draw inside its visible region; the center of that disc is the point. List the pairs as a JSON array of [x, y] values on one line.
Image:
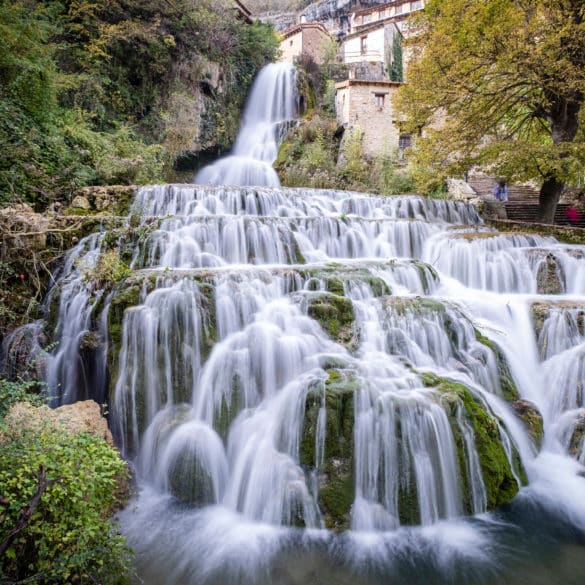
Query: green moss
[[416, 305], [336, 316], [507, 384], [532, 418], [500, 484], [336, 478]]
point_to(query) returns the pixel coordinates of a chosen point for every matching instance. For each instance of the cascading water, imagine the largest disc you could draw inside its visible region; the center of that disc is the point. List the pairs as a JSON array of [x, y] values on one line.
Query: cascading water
[[283, 361], [271, 106]]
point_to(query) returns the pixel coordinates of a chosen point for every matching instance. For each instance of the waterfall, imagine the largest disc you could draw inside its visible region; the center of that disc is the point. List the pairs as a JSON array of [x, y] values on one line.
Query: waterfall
[[271, 105], [283, 365], [290, 358]]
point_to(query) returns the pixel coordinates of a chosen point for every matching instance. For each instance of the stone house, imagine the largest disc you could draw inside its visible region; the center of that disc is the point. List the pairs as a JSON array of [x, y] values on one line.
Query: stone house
[[372, 44], [304, 39], [366, 106], [397, 11]]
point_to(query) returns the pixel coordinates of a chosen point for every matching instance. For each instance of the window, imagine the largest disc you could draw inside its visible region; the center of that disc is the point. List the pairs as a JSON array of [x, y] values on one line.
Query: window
[[379, 100], [291, 43], [416, 5], [381, 14], [364, 45], [404, 142], [398, 9]]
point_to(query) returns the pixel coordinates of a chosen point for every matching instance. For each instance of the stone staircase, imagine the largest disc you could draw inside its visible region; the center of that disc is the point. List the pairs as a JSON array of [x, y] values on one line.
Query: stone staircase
[[522, 202], [482, 184]]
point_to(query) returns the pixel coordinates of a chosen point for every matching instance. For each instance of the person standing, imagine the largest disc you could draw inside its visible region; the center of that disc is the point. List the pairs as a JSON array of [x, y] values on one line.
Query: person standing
[[500, 191]]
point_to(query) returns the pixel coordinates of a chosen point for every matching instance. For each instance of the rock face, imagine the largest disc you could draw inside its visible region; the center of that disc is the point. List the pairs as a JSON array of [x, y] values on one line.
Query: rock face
[[550, 278], [335, 474], [498, 476], [107, 200], [532, 418]]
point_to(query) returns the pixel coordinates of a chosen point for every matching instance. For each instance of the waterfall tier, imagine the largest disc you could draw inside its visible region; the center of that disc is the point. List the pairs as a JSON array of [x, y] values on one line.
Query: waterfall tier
[[271, 107]]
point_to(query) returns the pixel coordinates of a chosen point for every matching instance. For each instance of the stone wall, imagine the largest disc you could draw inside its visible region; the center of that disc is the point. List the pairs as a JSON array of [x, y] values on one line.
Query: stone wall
[[307, 39], [291, 47], [313, 43], [358, 107]]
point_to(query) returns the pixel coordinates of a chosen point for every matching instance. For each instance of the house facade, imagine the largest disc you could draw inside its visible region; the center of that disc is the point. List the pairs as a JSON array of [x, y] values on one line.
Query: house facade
[[375, 43], [397, 11], [366, 106], [304, 39]]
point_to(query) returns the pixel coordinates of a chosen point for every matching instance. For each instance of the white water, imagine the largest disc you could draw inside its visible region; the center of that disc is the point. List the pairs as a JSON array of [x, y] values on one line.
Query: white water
[[272, 103]]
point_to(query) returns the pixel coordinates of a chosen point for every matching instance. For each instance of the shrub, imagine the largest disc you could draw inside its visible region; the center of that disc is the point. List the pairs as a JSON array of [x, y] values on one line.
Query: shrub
[[68, 538]]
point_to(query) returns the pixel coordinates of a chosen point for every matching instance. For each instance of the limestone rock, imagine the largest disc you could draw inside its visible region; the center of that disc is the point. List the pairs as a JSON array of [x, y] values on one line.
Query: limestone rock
[[531, 416], [81, 417], [81, 202]]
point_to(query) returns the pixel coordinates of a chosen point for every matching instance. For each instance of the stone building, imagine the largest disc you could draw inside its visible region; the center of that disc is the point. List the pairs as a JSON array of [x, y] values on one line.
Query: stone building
[[397, 11], [373, 44], [366, 106], [304, 39]]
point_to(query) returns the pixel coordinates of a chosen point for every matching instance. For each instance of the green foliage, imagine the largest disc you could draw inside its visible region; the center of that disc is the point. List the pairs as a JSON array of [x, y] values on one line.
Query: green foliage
[[88, 90], [392, 177], [500, 84], [19, 391], [353, 167], [68, 539], [396, 68], [308, 158], [108, 270]]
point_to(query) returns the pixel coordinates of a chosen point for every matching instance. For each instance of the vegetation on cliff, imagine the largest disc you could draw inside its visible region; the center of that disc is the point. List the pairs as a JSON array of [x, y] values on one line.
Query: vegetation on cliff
[[500, 84], [98, 93]]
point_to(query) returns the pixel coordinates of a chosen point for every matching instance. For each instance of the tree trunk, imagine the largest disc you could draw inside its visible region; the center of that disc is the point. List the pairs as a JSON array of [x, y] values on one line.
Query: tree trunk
[[550, 193]]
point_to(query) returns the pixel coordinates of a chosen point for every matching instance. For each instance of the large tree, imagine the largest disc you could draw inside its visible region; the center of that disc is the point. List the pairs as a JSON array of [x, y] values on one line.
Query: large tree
[[500, 84]]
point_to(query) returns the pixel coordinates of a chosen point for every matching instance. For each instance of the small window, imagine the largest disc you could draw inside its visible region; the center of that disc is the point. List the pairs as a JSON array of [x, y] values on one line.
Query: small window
[[404, 142], [416, 5], [364, 45], [291, 43], [379, 100], [381, 14], [398, 9]]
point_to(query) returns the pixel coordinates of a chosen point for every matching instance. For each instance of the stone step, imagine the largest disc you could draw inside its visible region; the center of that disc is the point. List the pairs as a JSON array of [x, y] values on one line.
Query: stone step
[[528, 212]]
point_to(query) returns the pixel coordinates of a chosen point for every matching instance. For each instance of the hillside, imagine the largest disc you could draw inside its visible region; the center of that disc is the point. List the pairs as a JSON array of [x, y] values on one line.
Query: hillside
[[118, 92]]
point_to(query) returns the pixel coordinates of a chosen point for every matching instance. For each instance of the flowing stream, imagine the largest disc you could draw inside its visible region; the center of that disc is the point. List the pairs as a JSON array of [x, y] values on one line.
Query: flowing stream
[[330, 387]]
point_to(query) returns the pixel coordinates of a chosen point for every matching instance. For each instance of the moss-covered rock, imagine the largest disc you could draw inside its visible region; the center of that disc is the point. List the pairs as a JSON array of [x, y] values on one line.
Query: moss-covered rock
[[500, 483], [336, 475], [531, 417], [336, 316], [577, 441], [507, 385], [541, 310]]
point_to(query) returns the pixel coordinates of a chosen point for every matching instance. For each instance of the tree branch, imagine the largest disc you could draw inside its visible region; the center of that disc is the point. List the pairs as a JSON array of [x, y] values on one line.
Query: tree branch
[[25, 513]]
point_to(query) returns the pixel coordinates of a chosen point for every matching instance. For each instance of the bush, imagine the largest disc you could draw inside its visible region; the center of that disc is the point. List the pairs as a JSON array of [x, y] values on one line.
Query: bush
[[68, 538], [20, 391]]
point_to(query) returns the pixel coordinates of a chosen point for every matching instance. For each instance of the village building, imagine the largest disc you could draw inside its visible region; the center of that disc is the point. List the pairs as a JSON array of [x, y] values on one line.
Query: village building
[[397, 11], [377, 44], [304, 39], [366, 106]]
